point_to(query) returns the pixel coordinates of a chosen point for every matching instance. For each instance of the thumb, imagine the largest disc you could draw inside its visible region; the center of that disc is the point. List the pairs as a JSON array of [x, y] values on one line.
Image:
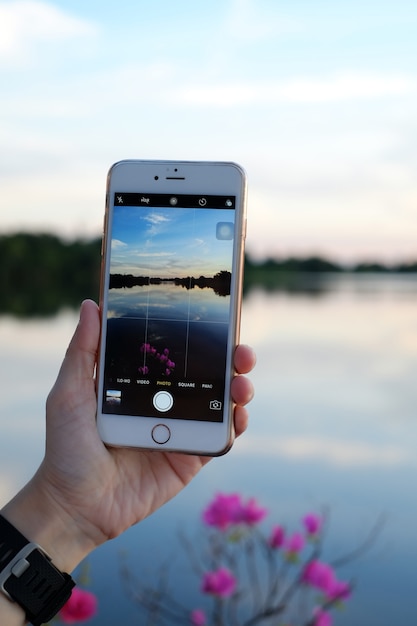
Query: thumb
[[81, 355], [78, 366]]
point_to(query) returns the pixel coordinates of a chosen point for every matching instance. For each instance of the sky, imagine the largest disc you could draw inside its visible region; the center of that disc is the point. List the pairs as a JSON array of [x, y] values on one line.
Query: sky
[[317, 100], [170, 241]]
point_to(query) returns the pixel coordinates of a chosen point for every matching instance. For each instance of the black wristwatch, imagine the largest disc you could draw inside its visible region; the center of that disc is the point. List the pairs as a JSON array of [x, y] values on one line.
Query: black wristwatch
[[28, 577]]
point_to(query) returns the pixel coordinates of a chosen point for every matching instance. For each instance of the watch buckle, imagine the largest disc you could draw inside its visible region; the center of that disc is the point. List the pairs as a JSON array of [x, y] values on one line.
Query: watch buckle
[[18, 565]]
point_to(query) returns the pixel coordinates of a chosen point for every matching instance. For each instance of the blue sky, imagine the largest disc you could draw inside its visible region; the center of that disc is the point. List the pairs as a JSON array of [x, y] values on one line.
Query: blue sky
[[169, 243], [317, 100]]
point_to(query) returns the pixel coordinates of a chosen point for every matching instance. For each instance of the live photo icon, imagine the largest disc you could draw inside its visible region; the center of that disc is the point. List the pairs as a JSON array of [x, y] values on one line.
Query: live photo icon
[[224, 231]]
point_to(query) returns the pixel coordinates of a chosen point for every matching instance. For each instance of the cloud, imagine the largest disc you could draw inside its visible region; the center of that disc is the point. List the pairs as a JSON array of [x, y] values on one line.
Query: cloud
[[155, 223], [156, 218], [27, 23], [153, 255], [335, 88], [334, 452], [247, 21], [116, 244]]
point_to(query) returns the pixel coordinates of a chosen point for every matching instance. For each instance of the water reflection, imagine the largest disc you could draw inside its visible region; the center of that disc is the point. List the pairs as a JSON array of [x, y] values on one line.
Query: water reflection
[[169, 302], [333, 423]]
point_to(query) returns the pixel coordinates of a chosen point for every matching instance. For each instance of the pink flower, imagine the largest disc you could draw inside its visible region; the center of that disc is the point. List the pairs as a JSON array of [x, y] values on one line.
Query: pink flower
[[251, 513], [312, 524], [277, 537], [322, 618], [219, 583], [319, 575], [81, 606], [198, 618], [223, 511], [294, 545], [322, 576], [339, 591]]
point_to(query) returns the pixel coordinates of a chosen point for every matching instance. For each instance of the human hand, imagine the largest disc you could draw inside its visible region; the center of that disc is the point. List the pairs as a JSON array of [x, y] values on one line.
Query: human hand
[[85, 493]]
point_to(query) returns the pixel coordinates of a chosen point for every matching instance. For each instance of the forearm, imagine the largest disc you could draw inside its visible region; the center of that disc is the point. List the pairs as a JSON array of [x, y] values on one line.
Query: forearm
[[42, 522]]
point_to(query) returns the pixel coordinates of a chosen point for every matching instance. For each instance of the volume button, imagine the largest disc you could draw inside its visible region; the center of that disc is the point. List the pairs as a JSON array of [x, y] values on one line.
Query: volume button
[[104, 233]]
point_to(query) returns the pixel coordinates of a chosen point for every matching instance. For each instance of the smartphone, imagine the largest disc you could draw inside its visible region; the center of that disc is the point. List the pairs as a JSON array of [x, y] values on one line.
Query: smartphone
[[171, 286]]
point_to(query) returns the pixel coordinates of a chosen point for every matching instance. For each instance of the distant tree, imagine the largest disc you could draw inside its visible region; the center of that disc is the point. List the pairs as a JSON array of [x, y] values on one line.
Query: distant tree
[[370, 268], [41, 273]]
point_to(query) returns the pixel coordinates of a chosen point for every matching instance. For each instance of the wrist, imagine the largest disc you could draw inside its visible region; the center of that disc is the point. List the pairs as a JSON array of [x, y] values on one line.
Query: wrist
[[29, 578], [10, 612], [41, 519]]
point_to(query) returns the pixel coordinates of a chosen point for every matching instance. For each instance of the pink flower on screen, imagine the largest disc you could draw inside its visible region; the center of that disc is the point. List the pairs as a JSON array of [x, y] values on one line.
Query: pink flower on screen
[[222, 511], [81, 606], [198, 618], [219, 583], [277, 538], [313, 524]]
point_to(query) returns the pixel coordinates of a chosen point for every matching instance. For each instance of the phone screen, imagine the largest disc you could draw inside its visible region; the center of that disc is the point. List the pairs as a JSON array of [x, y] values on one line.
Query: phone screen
[[168, 305]]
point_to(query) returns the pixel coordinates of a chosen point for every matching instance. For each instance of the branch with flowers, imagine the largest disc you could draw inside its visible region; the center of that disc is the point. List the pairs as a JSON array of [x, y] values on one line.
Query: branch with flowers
[[249, 577], [159, 362]]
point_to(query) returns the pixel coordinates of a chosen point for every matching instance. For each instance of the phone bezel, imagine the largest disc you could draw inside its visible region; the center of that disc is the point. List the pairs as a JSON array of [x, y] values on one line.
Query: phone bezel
[[182, 177]]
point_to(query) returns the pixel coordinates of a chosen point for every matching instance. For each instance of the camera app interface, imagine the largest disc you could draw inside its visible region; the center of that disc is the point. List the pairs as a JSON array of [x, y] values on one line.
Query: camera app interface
[[168, 305]]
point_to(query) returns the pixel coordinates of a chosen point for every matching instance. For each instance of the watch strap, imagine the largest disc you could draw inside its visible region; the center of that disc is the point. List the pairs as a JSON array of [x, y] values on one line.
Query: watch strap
[[28, 576]]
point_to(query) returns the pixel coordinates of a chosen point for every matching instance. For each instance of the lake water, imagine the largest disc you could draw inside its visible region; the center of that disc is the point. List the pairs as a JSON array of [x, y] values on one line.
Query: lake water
[[333, 424], [169, 301]]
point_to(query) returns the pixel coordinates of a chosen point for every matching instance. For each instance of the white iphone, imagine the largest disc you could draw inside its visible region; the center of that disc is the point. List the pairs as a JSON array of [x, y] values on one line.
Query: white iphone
[[170, 302]]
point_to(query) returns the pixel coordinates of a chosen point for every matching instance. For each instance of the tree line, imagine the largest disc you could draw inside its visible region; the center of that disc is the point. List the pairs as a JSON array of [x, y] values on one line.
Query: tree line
[[219, 283], [43, 273]]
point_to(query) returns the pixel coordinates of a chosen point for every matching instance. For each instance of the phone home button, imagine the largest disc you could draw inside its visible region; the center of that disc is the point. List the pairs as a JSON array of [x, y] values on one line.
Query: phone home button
[[163, 401], [161, 433]]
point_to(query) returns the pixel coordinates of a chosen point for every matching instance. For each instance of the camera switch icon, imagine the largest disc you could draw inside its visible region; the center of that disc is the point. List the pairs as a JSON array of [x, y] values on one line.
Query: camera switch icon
[[215, 405]]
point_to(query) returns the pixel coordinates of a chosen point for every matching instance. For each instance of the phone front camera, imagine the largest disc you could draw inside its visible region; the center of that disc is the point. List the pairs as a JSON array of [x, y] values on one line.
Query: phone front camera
[[156, 177]]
